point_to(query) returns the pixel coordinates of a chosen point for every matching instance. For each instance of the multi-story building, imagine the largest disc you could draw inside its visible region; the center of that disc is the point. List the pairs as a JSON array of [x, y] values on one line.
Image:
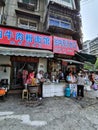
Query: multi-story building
[[91, 46], [63, 19], [89, 51], [94, 46], [26, 14], [86, 47], [57, 19]]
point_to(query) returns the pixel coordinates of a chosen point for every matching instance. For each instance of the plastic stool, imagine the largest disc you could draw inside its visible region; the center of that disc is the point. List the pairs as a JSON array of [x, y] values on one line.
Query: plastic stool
[[25, 94]]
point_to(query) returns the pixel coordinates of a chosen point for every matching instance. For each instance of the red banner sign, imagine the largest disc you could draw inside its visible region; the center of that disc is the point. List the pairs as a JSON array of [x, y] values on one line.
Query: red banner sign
[[64, 46], [9, 36]]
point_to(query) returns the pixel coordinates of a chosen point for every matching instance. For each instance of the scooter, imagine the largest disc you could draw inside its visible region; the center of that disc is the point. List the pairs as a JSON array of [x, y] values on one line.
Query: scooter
[[3, 87]]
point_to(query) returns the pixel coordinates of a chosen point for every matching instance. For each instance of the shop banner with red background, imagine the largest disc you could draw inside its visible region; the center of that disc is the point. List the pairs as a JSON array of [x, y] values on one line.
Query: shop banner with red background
[[9, 36], [64, 46]]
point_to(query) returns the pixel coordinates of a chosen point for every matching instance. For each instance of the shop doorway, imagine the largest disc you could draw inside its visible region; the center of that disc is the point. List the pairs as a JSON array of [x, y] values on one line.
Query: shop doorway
[[20, 71]]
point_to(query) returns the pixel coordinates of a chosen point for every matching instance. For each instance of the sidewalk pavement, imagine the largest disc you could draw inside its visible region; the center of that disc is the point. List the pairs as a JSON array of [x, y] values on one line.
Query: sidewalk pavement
[[91, 93], [55, 113]]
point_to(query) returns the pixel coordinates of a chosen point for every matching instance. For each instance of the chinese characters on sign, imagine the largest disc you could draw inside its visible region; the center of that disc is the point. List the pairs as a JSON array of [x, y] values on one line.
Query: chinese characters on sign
[[64, 46], [15, 37]]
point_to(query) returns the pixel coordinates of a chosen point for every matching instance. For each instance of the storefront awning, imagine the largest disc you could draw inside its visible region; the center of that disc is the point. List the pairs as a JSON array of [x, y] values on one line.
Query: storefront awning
[[25, 52], [83, 57], [72, 61]]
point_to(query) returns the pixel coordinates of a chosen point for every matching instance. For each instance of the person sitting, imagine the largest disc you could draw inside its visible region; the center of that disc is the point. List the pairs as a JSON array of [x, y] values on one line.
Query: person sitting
[[60, 75], [31, 76]]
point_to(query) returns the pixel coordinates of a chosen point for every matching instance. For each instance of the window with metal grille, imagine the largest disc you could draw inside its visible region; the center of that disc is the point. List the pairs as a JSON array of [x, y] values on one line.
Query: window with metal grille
[[60, 23], [27, 24]]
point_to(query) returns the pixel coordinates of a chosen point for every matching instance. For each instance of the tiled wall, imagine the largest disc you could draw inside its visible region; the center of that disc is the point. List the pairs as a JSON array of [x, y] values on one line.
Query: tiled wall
[[53, 89]]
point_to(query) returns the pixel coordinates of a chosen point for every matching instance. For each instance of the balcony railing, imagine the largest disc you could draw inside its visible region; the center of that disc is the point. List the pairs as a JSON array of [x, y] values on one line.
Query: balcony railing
[[59, 23], [27, 27]]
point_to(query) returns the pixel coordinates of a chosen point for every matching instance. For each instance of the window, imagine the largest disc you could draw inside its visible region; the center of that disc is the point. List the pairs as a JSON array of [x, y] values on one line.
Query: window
[[54, 22], [66, 1], [26, 24], [60, 23], [35, 2], [65, 25]]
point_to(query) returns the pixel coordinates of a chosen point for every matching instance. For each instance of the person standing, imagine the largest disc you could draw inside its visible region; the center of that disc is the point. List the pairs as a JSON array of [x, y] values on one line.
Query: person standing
[[71, 80], [24, 76], [40, 78], [80, 86]]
